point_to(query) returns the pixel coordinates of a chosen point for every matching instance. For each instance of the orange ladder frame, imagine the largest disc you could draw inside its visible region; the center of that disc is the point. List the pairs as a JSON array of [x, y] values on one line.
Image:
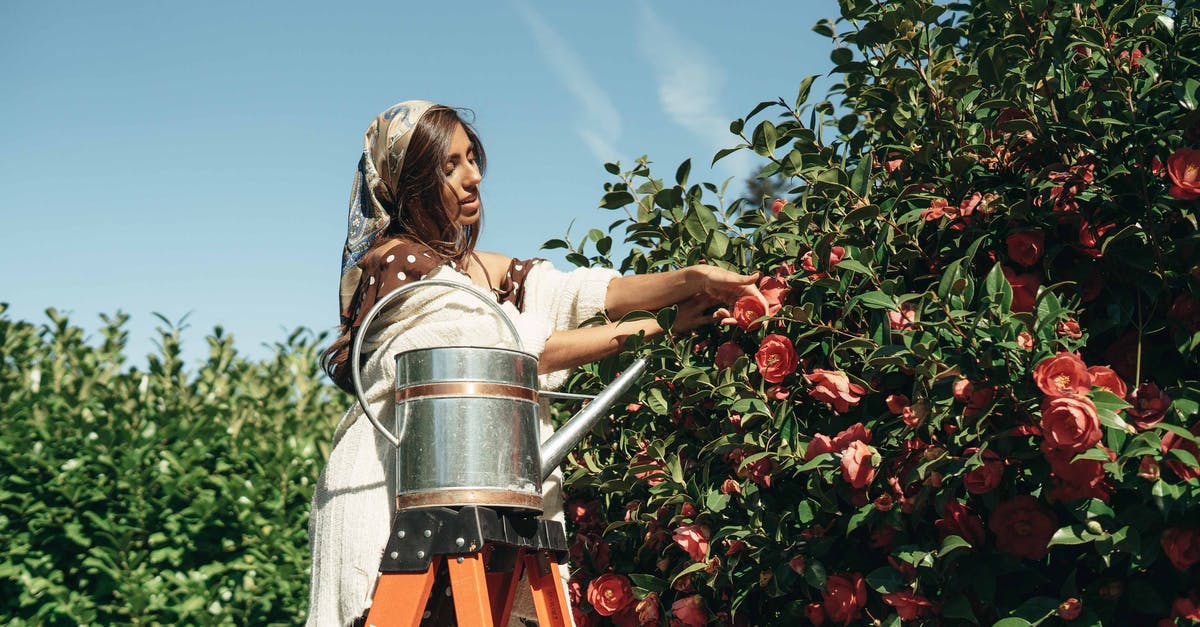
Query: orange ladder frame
[[463, 539]]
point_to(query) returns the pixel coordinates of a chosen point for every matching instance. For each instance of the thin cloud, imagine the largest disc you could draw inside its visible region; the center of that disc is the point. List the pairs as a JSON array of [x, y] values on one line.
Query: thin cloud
[[601, 123], [689, 83]]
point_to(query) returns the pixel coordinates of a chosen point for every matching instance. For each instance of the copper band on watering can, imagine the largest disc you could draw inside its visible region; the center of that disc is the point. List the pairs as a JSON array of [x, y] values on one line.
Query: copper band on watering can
[[466, 388]]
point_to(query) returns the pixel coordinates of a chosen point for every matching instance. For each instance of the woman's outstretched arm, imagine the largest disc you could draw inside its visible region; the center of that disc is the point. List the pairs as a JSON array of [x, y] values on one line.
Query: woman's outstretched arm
[[574, 347], [651, 292]]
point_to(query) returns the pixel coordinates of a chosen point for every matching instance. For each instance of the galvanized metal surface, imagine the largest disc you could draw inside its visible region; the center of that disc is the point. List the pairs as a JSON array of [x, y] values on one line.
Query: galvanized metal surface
[[457, 449], [356, 346]]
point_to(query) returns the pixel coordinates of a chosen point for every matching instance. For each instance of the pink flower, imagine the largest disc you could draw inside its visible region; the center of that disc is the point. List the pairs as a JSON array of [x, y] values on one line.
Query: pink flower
[[1026, 247], [857, 464], [834, 387], [1025, 289], [693, 539], [1150, 405], [903, 319], [747, 311], [727, 353], [819, 444], [689, 612], [776, 358], [936, 210], [896, 403], [1183, 166], [775, 290], [778, 205]]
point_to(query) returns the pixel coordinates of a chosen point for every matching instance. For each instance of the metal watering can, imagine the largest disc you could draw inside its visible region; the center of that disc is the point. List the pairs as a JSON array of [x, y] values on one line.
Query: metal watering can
[[467, 428]]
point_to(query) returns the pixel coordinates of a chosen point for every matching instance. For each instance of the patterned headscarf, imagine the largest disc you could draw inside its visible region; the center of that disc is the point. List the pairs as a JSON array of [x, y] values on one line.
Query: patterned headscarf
[[384, 146]]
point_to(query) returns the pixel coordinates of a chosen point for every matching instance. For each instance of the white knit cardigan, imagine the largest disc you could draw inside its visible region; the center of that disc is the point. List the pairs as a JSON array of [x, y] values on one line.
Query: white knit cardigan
[[353, 503]]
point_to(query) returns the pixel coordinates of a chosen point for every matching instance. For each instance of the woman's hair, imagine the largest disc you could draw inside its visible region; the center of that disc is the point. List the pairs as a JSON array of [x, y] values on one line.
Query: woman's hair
[[417, 211]]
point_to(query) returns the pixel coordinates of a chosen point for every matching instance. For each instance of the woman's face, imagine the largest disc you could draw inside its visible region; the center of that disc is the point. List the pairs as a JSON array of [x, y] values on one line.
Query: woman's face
[[462, 180]]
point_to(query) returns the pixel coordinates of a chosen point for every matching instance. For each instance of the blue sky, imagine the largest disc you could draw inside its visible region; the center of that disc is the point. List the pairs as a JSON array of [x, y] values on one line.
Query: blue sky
[[196, 158]]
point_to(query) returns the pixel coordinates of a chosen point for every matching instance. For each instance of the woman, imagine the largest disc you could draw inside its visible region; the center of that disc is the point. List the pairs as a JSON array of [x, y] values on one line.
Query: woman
[[415, 212]]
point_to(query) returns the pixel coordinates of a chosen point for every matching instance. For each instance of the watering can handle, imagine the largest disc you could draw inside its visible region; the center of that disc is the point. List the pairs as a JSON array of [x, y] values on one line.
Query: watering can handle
[[356, 348]]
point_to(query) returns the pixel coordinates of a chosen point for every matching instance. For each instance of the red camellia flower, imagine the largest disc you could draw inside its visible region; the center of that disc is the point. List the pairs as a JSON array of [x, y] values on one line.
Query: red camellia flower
[[1023, 527], [729, 486], [1026, 247], [1183, 166], [857, 464], [1025, 340], [646, 610], [976, 397], [1024, 287], [936, 210], [778, 205], [1182, 546], [1064, 374], [985, 478], [776, 358], [1185, 607], [693, 539], [584, 514], [1074, 480], [902, 320], [959, 521], [1069, 328], [818, 445], [747, 310], [759, 471], [727, 353], [835, 257], [1070, 423], [915, 414], [896, 403], [797, 565], [1172, 440], [1106, 379], [775, 290], [1069, 609], [1089, 237], [909, 605], [834, 387], [845, 595], [854, 433], [609, 593], [815, 613], [1150, 405], [689, 611]]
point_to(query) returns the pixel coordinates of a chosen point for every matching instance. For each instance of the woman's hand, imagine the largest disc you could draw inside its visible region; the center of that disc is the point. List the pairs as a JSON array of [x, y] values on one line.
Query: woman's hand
[[725, 287]]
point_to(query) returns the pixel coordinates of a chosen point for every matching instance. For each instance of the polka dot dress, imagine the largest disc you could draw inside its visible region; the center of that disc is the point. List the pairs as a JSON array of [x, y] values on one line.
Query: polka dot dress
[[396, 262]]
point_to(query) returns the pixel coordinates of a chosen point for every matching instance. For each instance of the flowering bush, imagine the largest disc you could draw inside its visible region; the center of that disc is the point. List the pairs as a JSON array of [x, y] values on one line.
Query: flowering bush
[[973, 395]]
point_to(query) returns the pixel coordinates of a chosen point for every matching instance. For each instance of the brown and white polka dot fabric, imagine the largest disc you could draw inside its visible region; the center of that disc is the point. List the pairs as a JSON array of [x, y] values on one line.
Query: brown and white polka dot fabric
[[397, 262]]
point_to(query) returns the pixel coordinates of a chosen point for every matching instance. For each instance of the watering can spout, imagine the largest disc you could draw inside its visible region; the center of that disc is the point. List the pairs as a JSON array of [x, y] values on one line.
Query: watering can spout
[[555, 449]]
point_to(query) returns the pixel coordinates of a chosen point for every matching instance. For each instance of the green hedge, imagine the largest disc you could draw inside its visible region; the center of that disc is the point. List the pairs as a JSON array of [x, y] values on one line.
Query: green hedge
[[159, 496]]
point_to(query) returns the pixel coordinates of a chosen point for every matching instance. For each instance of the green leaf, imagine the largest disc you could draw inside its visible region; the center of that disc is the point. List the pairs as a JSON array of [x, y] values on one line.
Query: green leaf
[[855, 266], [657, 402], [951, 543], [616, 199], [814, 574], [862, 214], [877, 300], [802, 92], [886, 579], [648, 582], [1074, 534], [681, 174], [1012, 621]]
